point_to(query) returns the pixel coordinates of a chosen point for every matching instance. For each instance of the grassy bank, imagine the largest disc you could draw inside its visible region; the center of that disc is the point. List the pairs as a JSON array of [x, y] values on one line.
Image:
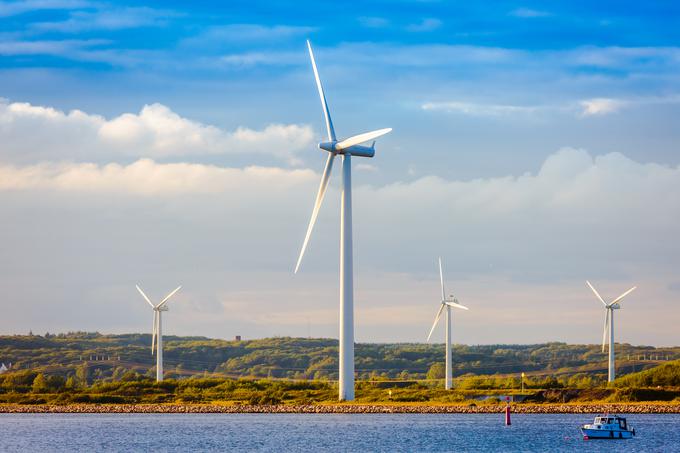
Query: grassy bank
[[26, 389]]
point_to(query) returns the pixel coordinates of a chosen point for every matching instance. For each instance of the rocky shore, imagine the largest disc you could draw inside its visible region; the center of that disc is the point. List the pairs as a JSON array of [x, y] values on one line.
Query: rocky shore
[[634, 408]]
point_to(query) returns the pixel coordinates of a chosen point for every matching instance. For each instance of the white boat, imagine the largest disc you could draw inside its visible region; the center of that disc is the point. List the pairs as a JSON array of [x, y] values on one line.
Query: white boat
[[608, 427]]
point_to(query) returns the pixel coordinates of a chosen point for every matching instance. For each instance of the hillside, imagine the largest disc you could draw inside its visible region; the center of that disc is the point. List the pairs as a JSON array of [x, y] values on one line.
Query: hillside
[[110, 356], [665, 375]]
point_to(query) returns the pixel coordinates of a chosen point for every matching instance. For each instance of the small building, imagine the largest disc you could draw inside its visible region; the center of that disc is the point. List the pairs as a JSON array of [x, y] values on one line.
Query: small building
[[237, 338], [3, 368]]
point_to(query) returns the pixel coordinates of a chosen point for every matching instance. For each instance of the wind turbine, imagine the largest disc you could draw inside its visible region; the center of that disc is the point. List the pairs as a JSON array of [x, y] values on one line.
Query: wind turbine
[[156, 333], [446, 304], [347, 148], [609, 325]]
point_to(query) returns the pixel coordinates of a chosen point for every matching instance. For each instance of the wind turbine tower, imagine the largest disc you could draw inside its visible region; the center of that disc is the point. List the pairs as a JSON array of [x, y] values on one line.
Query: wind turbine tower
[[446, 304], [609, 326], [156, 333], [346, 148]]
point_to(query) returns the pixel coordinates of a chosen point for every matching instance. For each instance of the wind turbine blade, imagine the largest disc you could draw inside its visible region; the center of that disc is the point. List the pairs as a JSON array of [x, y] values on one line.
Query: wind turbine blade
[[169, 296], [144, 296], [153, 331], [325, 177], [622, 295], [322, 96], [439, 313], [441, 279], [455, 305], [604, 331], [596, 293], [361, 138]]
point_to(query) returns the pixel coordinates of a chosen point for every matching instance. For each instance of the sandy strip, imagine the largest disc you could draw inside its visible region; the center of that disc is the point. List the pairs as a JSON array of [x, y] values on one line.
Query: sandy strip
[[636, 408]]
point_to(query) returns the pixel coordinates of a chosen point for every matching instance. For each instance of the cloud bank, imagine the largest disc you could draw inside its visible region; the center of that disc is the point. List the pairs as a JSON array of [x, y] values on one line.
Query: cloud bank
[[32, 132]]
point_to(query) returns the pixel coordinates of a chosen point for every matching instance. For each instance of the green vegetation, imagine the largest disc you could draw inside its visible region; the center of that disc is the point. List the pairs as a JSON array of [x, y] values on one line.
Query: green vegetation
[[92, 356], [666, 375], [93, 368]]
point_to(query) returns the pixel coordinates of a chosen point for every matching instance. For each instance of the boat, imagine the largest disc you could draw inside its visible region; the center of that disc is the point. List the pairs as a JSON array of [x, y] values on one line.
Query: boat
[[608, 427]]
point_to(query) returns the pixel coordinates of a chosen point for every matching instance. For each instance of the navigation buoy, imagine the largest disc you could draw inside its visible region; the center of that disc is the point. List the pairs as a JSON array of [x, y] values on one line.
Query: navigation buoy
[[507, 412]]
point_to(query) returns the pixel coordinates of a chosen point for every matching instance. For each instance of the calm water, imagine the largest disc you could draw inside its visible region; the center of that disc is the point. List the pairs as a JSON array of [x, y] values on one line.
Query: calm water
[[311, 433]]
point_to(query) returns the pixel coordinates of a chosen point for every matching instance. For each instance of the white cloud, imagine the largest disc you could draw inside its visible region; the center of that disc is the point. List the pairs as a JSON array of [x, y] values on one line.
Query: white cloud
[[108, 19], [528, 13], [373, 22], [425, 25], [146, 177], [475, 109], [39, 133], [66, 47], [232, 234], [366, 167], [262, 58], [246, 33], [12, 8], [601, 106]]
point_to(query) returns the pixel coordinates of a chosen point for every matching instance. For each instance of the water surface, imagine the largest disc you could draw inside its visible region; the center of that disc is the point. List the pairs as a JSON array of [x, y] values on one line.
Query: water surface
[[324, 432]]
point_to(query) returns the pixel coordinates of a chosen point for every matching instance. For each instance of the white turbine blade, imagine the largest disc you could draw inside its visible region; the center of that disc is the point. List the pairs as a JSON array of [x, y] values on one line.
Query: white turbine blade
[[361, 138], [456, 305], [169, 296], [144, 296], [322, 96], [441, 279], [439, 313], [325, 177], [622, 295], [596, 293], [604, 332], [154, 331]]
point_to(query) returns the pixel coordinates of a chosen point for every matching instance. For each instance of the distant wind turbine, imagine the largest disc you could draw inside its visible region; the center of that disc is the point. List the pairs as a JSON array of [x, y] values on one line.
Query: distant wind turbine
[[446, 304], [347, 148], [609, 326], [156, 333]]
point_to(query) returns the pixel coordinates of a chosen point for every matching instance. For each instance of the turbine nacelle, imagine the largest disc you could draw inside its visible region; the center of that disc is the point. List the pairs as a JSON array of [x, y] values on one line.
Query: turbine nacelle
[[354, 150]]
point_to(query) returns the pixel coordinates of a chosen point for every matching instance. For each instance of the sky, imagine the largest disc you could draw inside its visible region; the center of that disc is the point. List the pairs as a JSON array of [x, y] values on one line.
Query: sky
[[535, 146]]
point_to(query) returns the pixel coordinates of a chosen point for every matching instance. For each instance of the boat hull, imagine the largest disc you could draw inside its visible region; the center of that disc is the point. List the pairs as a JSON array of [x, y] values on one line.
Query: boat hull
[[589, 434]]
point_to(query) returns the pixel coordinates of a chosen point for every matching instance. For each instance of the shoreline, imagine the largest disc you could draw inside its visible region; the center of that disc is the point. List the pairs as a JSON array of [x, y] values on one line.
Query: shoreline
[[628, 408]]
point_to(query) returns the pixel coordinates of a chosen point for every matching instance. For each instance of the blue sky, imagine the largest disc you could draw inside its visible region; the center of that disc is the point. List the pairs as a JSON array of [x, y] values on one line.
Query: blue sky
[[534, 145]]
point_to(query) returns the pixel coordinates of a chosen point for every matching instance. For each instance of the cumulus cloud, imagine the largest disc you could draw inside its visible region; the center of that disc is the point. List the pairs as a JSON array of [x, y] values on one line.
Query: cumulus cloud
[[233, 234], [601, 106], [32, 132], [146, 177]]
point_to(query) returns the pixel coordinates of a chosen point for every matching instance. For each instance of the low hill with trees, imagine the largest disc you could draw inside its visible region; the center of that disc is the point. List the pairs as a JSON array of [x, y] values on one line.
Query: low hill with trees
[[665, 375], [93, 356]]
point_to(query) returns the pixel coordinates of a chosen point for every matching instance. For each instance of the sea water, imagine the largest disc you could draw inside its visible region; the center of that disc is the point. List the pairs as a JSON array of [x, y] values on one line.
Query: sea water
[[325, 432]]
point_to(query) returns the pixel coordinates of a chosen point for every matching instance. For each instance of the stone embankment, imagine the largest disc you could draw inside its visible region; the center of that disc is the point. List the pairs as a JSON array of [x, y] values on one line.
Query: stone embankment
[[636, 408]]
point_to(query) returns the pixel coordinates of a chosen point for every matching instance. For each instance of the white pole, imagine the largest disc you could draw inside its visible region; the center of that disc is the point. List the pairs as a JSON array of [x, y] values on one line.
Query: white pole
[[346, 375], [159, 354], [611, 346], [449, 371]]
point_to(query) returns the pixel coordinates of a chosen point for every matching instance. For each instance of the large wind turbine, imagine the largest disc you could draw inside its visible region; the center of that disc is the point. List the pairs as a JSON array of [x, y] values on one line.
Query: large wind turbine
[[446, 304], [347, 148], [609, 326], [156, 334]]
